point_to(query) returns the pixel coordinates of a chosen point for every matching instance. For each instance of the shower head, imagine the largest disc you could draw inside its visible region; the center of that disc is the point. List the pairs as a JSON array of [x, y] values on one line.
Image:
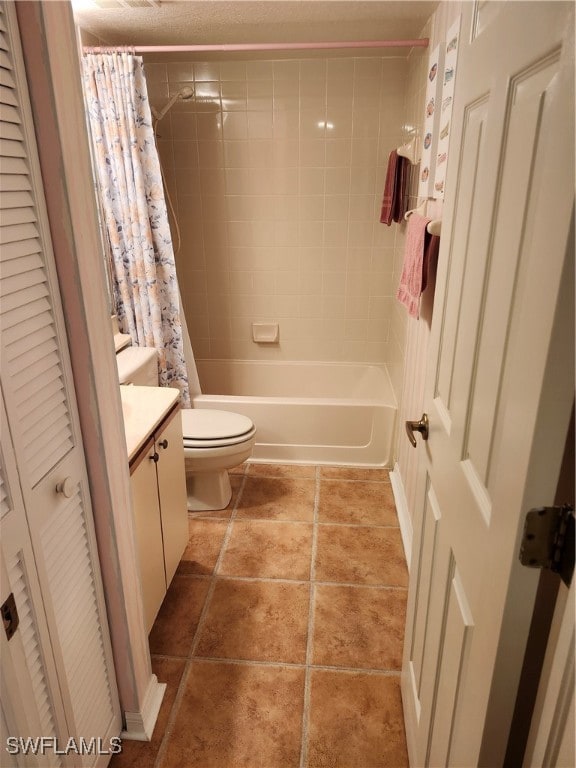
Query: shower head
[[184, 94]]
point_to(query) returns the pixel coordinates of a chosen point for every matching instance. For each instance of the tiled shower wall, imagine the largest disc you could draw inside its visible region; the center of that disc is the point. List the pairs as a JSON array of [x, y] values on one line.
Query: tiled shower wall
[[413, 115], [276, 171]]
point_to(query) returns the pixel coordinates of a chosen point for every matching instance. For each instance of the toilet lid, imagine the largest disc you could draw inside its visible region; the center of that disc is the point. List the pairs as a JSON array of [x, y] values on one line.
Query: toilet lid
[[199, 424]]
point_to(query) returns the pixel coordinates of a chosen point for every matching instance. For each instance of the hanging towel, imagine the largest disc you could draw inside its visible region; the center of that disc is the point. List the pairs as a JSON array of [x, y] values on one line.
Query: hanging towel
[[403, 179], [410, 286], [393, 202], [431, 248]]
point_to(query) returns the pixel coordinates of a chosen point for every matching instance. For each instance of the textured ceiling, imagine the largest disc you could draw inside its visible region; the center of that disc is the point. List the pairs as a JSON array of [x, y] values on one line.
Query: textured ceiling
[[254, 21]]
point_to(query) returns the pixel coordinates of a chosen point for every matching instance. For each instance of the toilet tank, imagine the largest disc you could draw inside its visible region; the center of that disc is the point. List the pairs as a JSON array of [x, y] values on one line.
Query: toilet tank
[[138, 365]]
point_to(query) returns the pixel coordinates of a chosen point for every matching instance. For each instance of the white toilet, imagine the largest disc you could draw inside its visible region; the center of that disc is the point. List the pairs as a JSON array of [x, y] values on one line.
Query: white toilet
[[214, 441]]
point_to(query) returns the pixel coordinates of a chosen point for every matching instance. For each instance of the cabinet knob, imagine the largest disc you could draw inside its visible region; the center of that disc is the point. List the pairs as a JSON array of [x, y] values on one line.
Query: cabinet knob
[[155, 456], [163, 443], [66, 487]]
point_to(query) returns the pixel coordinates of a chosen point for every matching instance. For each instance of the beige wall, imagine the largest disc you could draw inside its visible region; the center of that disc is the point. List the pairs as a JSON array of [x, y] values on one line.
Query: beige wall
[[414, 99], [410, 338], [276, 170], [435, 29]]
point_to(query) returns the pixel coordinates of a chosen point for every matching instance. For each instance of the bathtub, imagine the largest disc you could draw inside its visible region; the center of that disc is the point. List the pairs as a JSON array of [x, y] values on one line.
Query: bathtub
[[317, 413]]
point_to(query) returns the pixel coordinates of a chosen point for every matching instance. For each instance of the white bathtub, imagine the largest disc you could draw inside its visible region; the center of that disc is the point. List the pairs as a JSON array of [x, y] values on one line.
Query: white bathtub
[[320, 413]]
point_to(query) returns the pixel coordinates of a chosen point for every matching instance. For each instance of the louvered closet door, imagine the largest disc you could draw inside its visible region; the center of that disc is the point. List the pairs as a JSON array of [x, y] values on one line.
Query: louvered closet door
[[43, 423], [31, 700]]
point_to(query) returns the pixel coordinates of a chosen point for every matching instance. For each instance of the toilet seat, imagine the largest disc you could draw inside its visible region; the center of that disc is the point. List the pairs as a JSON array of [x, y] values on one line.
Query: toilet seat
[[206, 428]]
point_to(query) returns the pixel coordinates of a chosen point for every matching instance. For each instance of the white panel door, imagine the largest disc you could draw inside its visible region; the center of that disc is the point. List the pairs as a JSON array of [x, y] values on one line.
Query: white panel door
[[551, 741], [43, 426], [499, 386]]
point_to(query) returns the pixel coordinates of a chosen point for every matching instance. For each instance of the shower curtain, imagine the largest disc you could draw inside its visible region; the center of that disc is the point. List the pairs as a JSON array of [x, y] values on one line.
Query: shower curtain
[[130, 184]]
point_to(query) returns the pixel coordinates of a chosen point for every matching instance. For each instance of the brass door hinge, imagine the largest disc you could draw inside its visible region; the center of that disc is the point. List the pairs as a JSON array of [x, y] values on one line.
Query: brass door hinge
[[548, 540]]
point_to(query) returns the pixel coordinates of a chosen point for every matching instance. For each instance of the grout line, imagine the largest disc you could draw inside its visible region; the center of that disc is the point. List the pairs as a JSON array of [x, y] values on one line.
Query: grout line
[[275, 521], [173, 713], [267, 476], [295, 665], [315, 526], [290, 664], [199, 627], [303, 522], [272, 580], [214, 575], [310, 636], [392, 587], [357, 670], [228, 533], [362, 480], [358, 525]]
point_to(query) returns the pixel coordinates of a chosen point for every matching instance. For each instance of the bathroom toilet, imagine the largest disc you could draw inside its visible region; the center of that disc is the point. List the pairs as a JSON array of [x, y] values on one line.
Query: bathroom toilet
[[214, 441]]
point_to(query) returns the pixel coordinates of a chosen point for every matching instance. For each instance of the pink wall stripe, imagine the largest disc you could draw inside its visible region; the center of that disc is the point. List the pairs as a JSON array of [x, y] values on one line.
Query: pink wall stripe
[[418, 43]]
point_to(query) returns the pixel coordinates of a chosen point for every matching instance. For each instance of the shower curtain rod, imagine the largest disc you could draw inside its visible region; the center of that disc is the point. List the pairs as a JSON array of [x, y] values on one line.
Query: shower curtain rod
[[418, 43]]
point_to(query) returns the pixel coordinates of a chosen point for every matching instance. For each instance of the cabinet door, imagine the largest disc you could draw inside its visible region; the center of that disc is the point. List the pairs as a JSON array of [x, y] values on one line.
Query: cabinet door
[[172, 492], [148, 535]]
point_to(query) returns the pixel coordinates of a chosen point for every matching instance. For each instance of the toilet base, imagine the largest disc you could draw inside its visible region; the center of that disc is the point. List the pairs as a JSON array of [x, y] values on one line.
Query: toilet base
[[208, 491]]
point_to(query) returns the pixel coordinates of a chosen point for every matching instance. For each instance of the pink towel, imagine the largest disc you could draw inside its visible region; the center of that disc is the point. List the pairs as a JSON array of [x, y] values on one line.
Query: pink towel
[[410, 286]]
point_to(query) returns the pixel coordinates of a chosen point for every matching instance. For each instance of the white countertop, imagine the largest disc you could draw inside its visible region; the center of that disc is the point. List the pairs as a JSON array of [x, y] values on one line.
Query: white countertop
[[144, 408]]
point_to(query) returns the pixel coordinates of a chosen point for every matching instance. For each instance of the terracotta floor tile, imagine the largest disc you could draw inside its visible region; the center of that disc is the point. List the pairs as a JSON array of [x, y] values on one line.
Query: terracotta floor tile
[[354, 473], [238, 716], [277, 499], [264, 549], [142, 754], [362, 502], [359, 627], [361, 555], [223, 514], [204, 545], [281, 470], [356, 721], [256, 620], [176, 623]]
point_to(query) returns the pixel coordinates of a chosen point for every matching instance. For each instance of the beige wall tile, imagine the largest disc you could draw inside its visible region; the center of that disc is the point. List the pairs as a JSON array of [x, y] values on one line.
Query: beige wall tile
[[277, 170]]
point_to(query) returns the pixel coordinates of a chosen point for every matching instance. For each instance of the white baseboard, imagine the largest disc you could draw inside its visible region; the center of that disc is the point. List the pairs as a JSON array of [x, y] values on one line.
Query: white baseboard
[[403, 512], [140, 725]]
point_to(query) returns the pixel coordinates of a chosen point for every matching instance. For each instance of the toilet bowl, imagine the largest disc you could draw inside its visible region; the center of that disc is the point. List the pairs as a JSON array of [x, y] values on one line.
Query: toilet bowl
[[214, 442]]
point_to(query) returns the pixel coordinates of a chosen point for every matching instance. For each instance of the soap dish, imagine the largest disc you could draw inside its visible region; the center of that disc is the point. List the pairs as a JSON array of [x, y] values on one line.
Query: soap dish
[[265, 333]]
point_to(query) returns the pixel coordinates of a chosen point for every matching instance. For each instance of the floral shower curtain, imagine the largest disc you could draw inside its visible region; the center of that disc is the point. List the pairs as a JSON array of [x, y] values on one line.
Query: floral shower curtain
[[132, 198]]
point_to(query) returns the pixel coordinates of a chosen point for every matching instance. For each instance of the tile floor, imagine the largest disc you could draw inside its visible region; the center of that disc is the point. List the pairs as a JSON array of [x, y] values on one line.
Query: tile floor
[[280, 638]]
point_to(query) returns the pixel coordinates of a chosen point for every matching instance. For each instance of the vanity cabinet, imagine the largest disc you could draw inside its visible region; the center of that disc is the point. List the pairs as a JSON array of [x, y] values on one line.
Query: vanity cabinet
[[160, 510]]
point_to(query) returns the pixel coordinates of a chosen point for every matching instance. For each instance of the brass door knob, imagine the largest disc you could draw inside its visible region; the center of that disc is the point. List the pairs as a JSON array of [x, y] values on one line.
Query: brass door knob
[[417, 426]]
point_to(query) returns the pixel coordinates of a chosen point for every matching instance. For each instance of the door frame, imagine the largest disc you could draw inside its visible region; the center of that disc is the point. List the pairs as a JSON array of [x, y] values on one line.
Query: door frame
[[51, 54]]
